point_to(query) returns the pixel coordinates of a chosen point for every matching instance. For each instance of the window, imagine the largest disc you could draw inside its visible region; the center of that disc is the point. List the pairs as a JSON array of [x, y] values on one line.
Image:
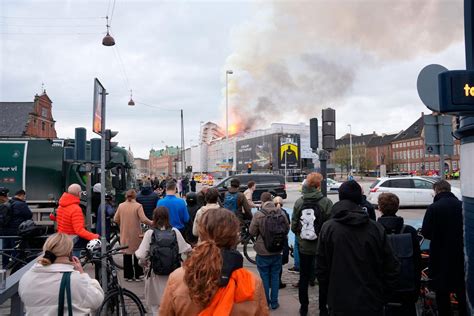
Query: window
[[417, 166], [43, 126], [401, 183], [455, 164], [437, 165], [44, 112], [422, 184]]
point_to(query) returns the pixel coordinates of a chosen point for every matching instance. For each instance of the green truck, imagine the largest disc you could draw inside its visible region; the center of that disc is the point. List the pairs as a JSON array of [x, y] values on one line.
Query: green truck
[[39, 167]]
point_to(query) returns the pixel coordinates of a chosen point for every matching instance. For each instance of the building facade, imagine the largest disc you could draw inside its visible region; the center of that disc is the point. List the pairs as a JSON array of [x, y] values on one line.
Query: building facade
[[164, 161], [142, 168]]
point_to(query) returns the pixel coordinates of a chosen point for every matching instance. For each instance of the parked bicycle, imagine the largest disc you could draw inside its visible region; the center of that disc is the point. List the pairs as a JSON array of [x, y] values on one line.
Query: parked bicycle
[[118, 300], [248, 241]]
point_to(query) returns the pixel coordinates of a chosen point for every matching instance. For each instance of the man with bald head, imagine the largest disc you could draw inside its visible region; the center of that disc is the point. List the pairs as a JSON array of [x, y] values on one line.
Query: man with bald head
[[70, 218]]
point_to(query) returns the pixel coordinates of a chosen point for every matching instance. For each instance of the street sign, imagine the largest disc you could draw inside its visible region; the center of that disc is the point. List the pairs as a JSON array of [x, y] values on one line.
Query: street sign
[[98, 107], [427, 85], [456, 92], [432, 139]]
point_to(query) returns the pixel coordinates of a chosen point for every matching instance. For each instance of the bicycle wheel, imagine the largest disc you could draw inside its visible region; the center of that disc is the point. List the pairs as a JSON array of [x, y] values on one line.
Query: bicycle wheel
[[113, 305], [249, 253]]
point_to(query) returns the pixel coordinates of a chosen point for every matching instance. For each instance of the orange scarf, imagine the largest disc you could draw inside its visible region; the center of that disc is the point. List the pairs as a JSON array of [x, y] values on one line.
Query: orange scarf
[[241, 288]]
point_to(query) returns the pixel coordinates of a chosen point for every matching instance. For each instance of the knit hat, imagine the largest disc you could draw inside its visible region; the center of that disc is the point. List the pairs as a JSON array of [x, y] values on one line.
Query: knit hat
[[350, 190], [96, 188]]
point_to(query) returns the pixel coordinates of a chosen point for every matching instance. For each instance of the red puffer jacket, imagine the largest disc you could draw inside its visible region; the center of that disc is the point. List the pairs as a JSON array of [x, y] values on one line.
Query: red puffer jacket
[[70, 218]]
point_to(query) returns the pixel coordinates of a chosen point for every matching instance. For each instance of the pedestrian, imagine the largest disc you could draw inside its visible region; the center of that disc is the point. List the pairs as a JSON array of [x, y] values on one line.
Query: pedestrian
[[212, 198], [270, 239], [212, 280], [367, 206], [18, 212], [310, 211], [70, 218], [278, 201], [153, 244], [443, 226], [177, 207], [201, 196], [251, 186], [193, 207], [109, 214], [148, 199], [180, 187], [39, 287], [388, 204], [235, 201], [185, 185], [95, 201], [129, 215], [355, 264], [192, 184]]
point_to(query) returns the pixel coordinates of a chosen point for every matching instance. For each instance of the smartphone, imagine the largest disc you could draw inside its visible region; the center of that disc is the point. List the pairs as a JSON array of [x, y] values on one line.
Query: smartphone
[[70, 257]]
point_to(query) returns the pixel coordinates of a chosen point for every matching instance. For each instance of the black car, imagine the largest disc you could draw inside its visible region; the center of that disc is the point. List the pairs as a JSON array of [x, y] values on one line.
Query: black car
[[265, 182]]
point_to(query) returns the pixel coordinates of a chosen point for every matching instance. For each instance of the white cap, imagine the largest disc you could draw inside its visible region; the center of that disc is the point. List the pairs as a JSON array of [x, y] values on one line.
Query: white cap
[[96, 188]]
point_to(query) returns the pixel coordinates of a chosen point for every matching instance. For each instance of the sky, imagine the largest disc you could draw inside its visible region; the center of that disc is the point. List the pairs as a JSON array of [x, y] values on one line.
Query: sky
[[290, 59]]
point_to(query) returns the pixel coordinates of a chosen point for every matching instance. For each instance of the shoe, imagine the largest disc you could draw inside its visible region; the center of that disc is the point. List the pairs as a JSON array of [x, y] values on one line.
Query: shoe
[[139, 280], [129, 280], [282, 285], [297, 284], [312, 283], [304, 311], [294, 270], [275, 306]]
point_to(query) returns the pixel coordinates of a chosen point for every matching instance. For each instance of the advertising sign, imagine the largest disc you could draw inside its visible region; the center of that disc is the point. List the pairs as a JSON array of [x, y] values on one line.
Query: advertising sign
[[258, 151], [13, 165], [98, 107], [289, 151], [456, 91]]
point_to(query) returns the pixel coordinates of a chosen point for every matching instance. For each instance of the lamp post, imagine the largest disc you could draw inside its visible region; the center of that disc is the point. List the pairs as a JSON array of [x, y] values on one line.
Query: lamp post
[[350, 146], [226, 155]]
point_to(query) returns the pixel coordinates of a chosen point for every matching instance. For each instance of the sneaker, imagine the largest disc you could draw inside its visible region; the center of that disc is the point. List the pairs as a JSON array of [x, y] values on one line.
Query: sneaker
[[129, 280], [282, 285], [275, 306], [139, 280], [294, 270]]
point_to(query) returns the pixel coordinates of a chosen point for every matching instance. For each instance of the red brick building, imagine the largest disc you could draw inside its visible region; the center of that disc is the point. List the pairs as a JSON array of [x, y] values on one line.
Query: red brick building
[[28, 119], [163, 161]]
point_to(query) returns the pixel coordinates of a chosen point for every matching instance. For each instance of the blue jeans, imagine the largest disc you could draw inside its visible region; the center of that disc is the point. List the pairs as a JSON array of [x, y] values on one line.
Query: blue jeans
[[269, 268], [296, 253]]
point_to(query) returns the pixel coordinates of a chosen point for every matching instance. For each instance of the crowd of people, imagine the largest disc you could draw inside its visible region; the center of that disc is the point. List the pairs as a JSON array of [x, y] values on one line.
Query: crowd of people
[[190, 265]]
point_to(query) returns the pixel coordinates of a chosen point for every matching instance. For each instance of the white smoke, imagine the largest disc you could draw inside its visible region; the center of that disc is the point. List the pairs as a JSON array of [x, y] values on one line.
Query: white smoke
[[296, 57]]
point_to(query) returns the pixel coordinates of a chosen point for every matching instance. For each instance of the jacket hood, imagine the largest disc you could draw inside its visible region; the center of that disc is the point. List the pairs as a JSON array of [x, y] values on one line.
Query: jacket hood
[[146, 191], [68, 199], [311, 193], [392, 224], [269, 206], [349, 213], [443, 195], [53, 268], [231, 261]]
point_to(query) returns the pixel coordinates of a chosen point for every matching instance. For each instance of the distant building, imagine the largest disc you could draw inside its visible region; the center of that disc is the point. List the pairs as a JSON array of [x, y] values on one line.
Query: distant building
[[210, 132], [28, 119], [142, 167], [379, 150], [164, 161], [361, 161]]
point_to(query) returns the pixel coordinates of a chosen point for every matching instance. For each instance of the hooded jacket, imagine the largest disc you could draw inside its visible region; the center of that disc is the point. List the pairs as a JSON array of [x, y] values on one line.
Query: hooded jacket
[[39, 290], [70, 218], [20, 213], [148, 199], [355, 263], [308, 247]]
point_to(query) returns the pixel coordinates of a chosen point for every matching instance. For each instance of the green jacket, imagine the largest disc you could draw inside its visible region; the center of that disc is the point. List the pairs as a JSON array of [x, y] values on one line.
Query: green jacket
[[308, 247]]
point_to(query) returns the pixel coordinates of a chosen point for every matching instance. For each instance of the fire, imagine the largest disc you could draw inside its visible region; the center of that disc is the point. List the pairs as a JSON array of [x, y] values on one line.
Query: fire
[[233, 128]]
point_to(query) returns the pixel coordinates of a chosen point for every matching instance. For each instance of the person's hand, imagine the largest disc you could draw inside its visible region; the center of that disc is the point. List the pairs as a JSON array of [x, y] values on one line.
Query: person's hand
[[77, 264]]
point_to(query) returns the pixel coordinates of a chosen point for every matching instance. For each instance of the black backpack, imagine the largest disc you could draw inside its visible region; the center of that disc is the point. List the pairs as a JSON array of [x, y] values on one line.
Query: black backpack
[[311, 219], [402, 246], [5, 214], [164, 252], [275, 230]]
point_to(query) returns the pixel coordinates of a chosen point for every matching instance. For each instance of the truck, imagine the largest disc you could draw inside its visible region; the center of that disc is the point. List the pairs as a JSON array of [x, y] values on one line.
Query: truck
[[41, 168]]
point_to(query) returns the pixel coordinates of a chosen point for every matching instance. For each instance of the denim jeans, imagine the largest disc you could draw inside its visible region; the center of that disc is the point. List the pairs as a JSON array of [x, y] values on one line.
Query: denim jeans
[[296, 253], [269, 268]]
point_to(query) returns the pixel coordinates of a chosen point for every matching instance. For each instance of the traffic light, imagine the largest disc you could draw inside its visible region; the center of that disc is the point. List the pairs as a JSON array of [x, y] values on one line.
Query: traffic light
[[329, 129], [109, 145], [313, 133]]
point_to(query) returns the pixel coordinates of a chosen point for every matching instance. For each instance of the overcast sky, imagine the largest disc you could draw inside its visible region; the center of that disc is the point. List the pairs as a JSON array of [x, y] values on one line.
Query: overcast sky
[[290, 60]]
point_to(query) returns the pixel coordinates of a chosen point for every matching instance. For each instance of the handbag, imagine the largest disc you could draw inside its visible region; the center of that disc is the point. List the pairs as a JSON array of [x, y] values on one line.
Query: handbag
[[65, 289]]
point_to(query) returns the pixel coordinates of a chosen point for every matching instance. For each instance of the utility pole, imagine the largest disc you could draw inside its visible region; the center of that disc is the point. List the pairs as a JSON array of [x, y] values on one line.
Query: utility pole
[[102, 194], [350, 145], [182, 144], [226, 153], [441, 145]]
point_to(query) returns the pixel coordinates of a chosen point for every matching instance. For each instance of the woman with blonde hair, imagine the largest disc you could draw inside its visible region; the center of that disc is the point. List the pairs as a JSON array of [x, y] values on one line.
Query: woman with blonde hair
[[129, 215], [40, 286], [212, 280]]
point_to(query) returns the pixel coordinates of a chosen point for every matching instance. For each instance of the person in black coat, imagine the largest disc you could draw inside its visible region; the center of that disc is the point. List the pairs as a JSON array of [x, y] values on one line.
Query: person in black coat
[[368, 207], [443, 226], [193, 207], [393, 224], [148, 199], [192, 184]]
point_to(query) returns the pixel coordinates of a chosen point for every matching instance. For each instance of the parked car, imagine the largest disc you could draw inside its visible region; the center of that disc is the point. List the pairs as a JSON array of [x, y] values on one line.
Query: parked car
[[412, 191], [332, 186], [265, 182]]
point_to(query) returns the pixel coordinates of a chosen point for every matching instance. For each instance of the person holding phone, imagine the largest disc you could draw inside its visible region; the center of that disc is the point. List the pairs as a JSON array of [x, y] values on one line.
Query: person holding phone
[[39, 287]]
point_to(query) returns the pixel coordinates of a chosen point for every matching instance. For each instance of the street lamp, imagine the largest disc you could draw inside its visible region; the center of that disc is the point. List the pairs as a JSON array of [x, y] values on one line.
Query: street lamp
[[227, 73], [350, 145], [131, 102], [108, 40]]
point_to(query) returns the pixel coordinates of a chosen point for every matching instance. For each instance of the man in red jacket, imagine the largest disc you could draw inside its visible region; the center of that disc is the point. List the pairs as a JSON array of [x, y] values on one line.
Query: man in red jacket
[[70, 218]]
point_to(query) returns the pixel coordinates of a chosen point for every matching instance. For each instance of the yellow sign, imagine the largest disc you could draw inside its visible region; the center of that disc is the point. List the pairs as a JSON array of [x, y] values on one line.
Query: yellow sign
[[290, 148], [468, 91]]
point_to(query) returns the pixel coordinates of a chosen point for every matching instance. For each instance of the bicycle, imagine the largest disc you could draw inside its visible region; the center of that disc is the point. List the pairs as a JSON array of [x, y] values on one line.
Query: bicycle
[[118, 300], [247, 241]]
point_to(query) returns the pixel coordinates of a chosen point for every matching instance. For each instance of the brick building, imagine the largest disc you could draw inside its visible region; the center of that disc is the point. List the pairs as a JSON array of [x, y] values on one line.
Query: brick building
[[379, 150], [28, 119], [163, 161], [341, 159]]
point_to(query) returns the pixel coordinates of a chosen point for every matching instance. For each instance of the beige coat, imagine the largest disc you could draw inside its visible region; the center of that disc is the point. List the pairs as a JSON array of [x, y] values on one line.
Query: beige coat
[[129, 215], [176, 300], [155, 284]]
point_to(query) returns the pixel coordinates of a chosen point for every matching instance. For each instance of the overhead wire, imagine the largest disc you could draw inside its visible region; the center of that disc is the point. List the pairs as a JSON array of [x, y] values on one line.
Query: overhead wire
[[51, 18]]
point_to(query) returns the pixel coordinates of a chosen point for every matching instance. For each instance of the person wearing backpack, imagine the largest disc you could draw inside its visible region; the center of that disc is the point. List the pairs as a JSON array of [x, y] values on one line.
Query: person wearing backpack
[[193, 207], [235, 201], [160, 253], [405, 244], [270, 226], [355, 264], [309, 213]]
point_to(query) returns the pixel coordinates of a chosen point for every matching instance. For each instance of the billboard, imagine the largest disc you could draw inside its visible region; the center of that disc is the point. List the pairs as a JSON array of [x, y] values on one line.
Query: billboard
[[269, 150], [13, 165], [98, 107]]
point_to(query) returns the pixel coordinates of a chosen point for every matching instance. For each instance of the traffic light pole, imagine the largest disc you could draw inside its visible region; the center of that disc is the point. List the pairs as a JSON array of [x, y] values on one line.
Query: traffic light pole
[[323, 158], [102, 195]]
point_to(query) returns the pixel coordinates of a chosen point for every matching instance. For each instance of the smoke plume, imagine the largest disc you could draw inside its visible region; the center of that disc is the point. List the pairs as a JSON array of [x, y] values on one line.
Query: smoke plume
[[296, 57]]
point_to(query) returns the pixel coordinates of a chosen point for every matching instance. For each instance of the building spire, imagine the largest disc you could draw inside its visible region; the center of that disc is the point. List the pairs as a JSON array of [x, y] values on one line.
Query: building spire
[[43, 90]]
